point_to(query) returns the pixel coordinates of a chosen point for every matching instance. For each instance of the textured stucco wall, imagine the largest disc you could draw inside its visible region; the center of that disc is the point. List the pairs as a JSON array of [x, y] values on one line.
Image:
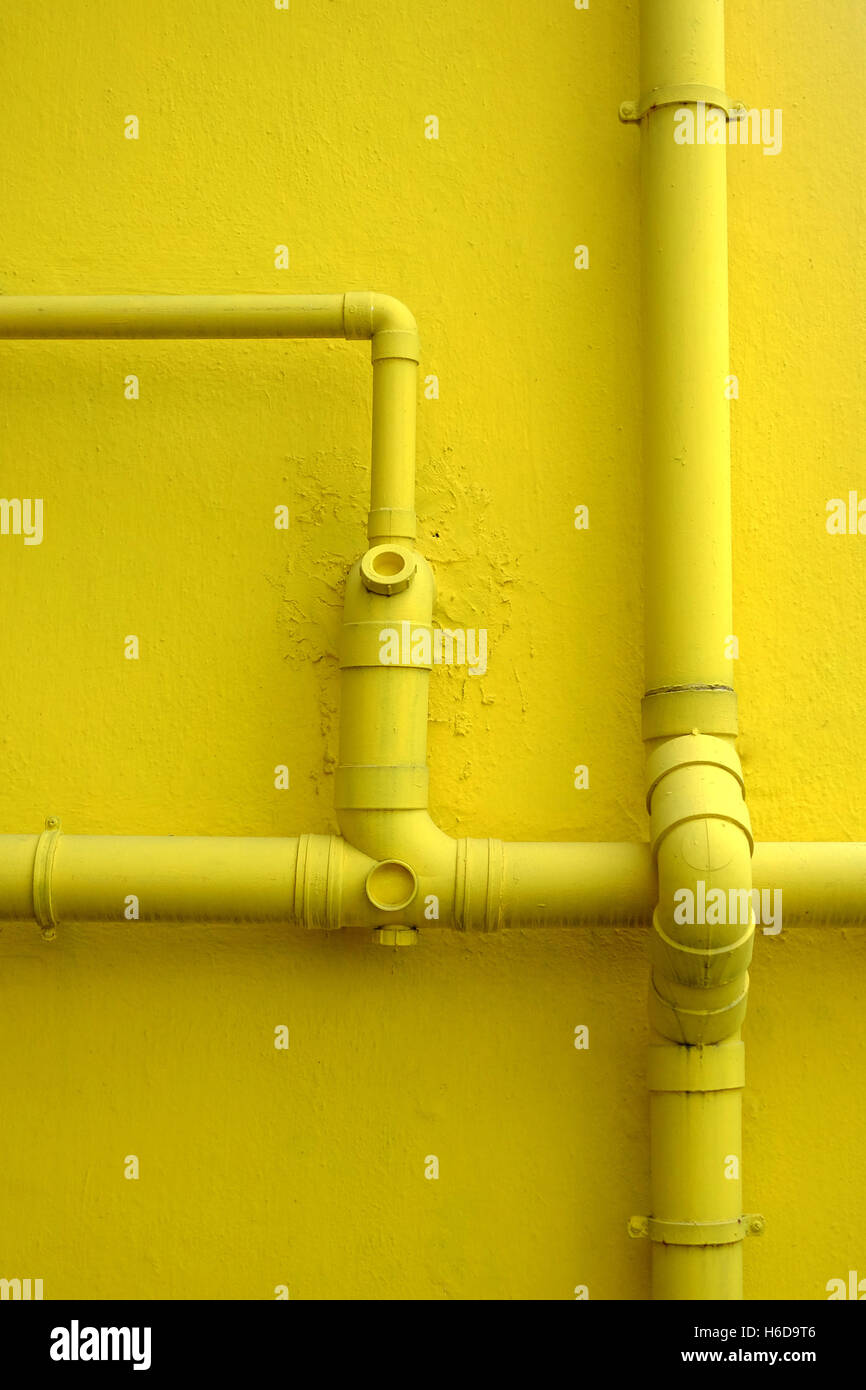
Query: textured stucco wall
[[307, 128]]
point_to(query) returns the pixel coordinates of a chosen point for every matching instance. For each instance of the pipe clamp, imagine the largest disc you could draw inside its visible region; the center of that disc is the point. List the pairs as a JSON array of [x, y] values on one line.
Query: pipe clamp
[[43, 864], [696, 1232], [681, 94]]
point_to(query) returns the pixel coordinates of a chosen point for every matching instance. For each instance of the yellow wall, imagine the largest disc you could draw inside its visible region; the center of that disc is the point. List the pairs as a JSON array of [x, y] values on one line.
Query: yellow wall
[[260, 127]]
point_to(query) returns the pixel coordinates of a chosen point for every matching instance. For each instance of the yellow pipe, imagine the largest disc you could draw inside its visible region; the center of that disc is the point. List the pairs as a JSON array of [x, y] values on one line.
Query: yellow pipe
[[382, 779], [822, 883], [685, 326], [701, 837], [173, 316], [395, 351], [319, 881], [395, 870], [699, 825], [354, 315], [384, 321], [59, 879], [695, 1148]]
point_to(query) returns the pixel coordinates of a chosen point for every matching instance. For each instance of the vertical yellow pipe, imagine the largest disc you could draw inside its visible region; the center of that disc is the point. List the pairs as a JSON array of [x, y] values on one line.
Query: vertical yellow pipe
[[685, 317], [699, 823], [395, 352], [392, 486], [381, 790], [695, 1161]]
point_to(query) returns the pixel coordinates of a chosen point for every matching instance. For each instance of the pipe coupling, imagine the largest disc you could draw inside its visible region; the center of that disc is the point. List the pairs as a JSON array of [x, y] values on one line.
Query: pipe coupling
[[478, 886], [319, 882]]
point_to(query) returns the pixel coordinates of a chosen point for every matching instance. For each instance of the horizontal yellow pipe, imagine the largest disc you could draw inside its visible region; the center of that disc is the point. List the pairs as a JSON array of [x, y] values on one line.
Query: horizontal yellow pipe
[[177, 879], [823, 883], [352, 315], [172, 316], [481, 884]]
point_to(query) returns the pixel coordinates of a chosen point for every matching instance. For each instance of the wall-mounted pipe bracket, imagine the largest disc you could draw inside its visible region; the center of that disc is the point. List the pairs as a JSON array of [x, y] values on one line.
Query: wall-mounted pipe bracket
[[681, 94], [696, 1232], [43, 862]]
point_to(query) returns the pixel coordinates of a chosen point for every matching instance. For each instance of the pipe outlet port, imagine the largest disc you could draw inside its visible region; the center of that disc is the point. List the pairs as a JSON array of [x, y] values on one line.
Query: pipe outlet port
[[391, 885], [387, 569]]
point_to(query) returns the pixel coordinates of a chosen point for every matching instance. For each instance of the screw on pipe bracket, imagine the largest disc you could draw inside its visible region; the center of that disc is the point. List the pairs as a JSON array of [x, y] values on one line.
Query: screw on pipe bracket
[[43, 864]]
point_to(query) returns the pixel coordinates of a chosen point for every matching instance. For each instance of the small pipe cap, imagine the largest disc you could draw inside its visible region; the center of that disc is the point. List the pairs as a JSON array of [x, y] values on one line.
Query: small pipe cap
[[395, 936], [388, 569]]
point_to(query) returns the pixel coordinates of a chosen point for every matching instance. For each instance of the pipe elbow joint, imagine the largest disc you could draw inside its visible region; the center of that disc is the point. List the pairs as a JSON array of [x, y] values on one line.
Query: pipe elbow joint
[[704, 924], [386, 321]]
